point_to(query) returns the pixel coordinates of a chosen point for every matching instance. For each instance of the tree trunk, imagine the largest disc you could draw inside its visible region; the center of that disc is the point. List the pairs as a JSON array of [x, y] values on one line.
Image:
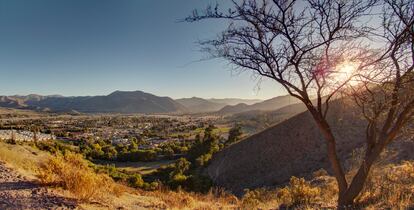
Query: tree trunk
[[334, 161], [360, 178], [347, 194], [331, 150]]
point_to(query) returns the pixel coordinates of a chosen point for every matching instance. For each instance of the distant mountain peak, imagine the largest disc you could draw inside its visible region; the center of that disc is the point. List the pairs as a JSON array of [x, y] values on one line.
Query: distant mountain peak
[[127, 92]]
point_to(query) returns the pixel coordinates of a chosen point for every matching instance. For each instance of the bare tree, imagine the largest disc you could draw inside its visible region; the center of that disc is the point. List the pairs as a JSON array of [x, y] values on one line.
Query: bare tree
[[302, 44], [385, 92]]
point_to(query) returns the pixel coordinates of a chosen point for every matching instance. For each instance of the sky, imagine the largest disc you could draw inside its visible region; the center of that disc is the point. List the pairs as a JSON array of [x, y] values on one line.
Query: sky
[[94, 47]]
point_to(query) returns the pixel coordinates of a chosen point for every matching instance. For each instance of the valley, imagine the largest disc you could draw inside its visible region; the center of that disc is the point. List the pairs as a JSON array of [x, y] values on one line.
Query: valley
[[207, 105], [144, 151], [157, 139]]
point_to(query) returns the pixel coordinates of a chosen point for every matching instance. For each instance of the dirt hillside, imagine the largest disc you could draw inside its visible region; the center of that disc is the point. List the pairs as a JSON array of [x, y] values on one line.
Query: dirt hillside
[[293, 147], [16, 192]]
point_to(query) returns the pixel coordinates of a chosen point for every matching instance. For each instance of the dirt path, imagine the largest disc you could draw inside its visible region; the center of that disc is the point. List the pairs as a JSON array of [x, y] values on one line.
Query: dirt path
[[16, 192]]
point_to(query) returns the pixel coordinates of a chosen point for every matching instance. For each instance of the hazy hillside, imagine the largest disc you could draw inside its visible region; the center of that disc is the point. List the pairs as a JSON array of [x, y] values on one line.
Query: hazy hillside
[[12, 102], [124, 102], [234, 101], [235, 109], [291, 148], [198, 105], [116, 102], [267, 105], [256, 120]]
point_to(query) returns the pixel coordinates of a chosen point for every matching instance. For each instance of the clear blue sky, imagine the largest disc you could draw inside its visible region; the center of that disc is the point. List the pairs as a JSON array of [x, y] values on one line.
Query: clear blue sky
[[94, 47]]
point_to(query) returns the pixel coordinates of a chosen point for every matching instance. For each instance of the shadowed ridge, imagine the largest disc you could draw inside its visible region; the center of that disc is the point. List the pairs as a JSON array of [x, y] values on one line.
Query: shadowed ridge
[[267, 105], [293, 147]]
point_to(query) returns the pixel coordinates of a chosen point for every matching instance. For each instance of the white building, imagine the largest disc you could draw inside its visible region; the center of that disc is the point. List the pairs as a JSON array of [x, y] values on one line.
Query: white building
[[25, 136]]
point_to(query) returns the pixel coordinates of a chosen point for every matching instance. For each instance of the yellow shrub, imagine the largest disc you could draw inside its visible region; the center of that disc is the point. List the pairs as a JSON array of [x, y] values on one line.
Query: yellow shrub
[[390, 186], [298, 192], [71, 172], [221, 195], [215, 199], [176, 200], [251, 199]]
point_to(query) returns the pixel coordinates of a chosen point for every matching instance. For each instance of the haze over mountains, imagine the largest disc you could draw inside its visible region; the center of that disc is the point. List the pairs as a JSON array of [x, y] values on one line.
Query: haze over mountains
[[141, 102], [195, 105], [116, 102], [234, 101], [267, 105], [234, 106]]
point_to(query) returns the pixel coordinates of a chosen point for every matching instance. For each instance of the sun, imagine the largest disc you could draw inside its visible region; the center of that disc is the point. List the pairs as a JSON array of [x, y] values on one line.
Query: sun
[[344, 72]]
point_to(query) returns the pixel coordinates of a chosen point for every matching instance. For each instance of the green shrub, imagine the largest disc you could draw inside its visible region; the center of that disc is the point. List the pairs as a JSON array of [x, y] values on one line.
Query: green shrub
[[135, 181]]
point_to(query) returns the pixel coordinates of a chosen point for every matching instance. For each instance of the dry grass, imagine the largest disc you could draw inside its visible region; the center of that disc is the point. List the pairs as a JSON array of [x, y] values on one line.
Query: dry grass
[[298, 194], [215, 199], [24, 159], [391, 186], [260, 199], [71, 172]]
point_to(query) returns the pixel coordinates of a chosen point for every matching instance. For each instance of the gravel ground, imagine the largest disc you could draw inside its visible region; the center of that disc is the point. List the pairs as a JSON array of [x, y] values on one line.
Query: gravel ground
[[16, 192]]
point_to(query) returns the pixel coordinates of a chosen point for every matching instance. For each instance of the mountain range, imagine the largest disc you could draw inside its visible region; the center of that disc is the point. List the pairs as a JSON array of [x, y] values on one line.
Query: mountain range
[[116, 102], [141, 102]]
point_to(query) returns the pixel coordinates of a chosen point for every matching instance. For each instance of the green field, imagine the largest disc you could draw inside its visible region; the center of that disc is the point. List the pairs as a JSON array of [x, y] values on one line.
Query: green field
[[137, 167]]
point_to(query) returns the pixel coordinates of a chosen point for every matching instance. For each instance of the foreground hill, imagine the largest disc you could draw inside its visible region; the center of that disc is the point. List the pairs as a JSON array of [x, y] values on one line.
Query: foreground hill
[[116, 102], [267, 105], [22, 186], [293, 147]]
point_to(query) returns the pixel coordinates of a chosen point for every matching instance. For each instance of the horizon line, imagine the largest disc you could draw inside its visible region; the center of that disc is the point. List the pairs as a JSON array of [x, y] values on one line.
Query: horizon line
[[159, 95]]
